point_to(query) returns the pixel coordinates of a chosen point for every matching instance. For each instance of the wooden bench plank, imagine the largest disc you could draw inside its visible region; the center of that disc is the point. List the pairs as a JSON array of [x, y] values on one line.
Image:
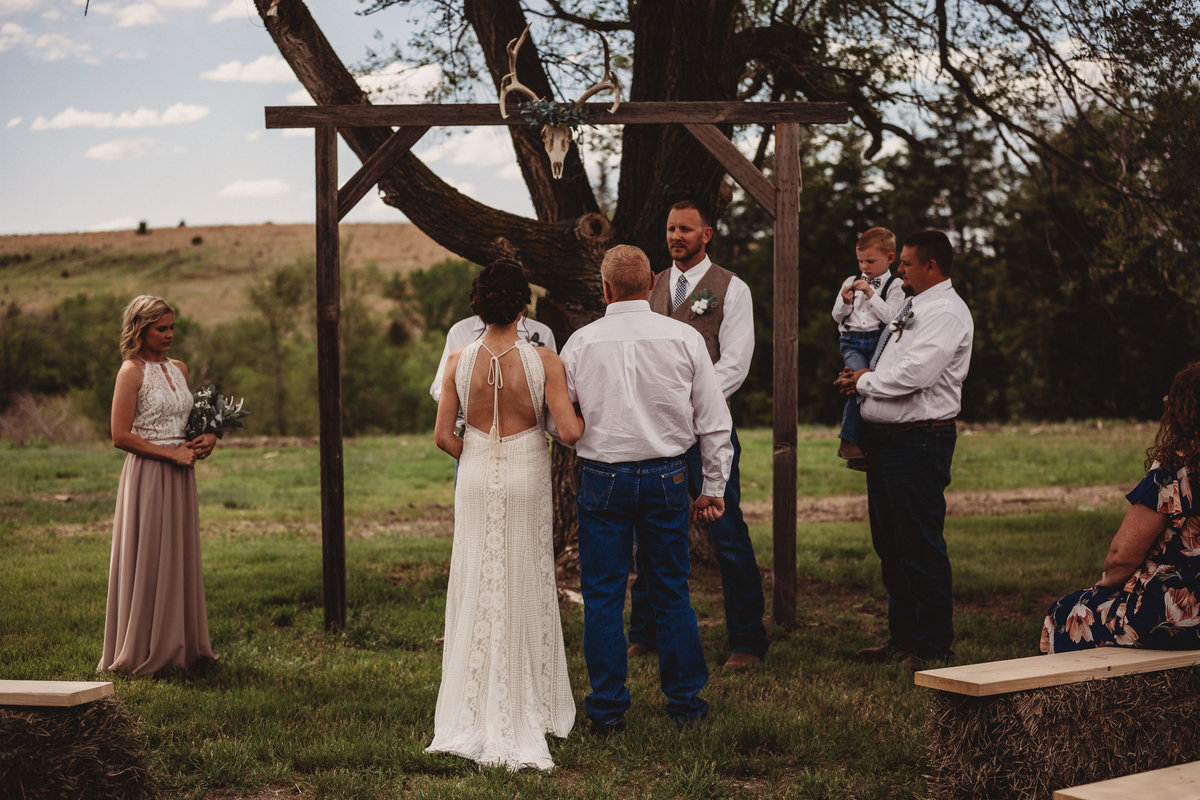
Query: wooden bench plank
[[1036, 672], [62, 694], [1181, 782]]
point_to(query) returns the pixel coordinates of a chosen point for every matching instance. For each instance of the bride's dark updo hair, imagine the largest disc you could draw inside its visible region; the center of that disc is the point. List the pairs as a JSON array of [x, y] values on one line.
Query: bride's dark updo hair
[[500, 292]]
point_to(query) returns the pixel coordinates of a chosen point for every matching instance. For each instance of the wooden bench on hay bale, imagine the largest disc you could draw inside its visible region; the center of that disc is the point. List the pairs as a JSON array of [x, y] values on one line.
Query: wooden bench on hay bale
[[1026, 727], [69, 739], [1181, 782]]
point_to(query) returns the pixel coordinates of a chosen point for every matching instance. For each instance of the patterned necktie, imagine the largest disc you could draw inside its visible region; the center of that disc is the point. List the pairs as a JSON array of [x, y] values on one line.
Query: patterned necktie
[[887, 334], [680, 292]]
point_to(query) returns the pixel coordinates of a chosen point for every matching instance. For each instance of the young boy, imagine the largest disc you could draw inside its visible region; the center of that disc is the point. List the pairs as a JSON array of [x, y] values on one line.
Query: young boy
[[866, 303]]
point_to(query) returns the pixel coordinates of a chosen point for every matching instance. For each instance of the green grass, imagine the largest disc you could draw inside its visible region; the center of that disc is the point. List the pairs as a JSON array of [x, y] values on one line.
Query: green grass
[[292, 709]]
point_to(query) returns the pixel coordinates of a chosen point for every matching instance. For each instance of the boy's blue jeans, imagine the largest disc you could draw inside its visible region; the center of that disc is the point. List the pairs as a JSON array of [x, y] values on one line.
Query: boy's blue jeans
[[857, 349]]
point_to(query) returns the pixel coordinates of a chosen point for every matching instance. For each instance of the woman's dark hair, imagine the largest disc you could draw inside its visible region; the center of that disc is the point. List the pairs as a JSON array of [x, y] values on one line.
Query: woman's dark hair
[[500, 292], [1177, 443]]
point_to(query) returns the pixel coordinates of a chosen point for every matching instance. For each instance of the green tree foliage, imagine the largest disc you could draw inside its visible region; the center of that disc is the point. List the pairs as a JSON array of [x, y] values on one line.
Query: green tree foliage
[[435, 298], [1098, 305]]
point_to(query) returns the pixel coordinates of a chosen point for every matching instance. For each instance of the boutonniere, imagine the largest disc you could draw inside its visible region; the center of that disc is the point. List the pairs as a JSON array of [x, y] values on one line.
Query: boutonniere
[[703, 302], [901, 322]]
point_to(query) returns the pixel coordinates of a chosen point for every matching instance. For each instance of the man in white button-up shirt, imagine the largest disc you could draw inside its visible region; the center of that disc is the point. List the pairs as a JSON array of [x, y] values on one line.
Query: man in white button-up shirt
[[909, 401], [716, 303], [647, 391]]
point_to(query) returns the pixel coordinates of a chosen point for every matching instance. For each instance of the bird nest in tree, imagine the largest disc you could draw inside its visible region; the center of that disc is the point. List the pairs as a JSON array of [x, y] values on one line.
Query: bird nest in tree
[[95, 750], [1028, 744]]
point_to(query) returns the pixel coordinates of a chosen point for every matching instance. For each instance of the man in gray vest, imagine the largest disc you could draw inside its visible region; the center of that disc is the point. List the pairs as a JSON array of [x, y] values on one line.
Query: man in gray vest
[[717, 303]]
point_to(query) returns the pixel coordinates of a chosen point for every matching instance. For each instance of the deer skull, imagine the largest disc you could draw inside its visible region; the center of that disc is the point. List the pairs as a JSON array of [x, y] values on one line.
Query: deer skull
[[556, 138]]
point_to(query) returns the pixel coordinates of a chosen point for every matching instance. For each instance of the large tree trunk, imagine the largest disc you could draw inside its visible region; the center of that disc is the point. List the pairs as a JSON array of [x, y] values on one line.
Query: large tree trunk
[[683, 52], [561, 251]]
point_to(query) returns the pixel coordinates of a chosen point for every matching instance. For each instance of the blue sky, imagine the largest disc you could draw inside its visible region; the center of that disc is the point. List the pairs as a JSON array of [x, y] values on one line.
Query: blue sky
[[153, 110]]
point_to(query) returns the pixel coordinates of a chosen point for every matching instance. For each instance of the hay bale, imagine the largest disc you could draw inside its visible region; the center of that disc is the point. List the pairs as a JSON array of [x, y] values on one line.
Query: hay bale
[[95, 750], [1027, 744]]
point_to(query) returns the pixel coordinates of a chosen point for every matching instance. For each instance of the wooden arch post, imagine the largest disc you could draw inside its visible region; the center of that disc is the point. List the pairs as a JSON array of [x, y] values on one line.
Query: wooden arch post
[[780, 198]]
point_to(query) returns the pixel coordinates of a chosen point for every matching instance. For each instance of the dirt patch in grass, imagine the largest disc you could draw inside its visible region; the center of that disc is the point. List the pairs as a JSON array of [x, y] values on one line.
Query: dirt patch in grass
[[986, 503]]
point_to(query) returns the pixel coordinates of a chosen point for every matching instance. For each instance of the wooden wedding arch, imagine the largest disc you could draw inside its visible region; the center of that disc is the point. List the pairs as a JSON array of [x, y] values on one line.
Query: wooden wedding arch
[[780, 198]]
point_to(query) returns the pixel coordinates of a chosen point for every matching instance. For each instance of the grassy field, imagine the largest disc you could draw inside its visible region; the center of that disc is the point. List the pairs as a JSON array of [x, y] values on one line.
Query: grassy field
[[206, 269], [290, 711]]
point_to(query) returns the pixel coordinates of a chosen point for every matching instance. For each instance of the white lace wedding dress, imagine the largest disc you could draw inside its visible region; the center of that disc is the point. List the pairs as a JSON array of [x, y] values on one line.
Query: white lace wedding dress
[[504, 669]]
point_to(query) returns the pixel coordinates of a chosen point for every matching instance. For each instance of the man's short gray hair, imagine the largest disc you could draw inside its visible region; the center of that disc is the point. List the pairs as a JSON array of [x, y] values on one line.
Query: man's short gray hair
[[627, 270]]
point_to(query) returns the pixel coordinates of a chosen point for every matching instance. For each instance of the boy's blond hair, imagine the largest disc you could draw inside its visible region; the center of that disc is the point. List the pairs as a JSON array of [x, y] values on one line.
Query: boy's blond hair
[[880, 239]]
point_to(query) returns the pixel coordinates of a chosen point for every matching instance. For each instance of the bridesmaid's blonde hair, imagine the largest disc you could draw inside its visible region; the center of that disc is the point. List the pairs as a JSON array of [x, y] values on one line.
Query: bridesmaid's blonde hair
[[142, 311]]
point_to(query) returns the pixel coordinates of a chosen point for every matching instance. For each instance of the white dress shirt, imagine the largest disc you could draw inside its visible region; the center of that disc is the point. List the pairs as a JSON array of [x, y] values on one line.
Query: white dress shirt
[[647, 389], [865, 315], [736, 336], [921, 370], [467, 330]]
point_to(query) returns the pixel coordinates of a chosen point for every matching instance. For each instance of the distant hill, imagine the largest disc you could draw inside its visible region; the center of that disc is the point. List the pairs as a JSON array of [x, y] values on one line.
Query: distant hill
[[205, 271]]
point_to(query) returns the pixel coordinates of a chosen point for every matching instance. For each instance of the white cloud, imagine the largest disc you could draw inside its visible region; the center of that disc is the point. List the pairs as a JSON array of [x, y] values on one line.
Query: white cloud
[[254, 136], [42, 47], [510, 172], [299, 133], [118, 224], [56, 47], [54, 15], [372, 209], [264, 69], [478, 147], [267, 187], [466, 187], [120, 149], [300, 97], [397, 83], [178, 114], [234, 9], [138, 15], [182, 3], [12, 34], [14, 122], [17, 6]]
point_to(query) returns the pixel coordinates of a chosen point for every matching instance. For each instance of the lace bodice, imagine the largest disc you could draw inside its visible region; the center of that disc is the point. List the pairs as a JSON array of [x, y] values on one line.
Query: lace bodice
[[163, 404]]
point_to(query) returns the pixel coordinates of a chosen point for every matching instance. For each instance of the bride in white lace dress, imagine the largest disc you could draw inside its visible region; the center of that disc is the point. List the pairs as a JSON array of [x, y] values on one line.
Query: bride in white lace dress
[[504, 670]]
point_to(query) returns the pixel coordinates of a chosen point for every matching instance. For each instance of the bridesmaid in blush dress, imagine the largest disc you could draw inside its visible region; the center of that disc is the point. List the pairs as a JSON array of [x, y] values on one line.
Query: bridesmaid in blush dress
[[156, 616]]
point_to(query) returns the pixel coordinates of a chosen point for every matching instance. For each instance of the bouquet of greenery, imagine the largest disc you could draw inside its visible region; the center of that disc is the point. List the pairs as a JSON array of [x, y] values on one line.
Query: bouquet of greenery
[[212, 413]]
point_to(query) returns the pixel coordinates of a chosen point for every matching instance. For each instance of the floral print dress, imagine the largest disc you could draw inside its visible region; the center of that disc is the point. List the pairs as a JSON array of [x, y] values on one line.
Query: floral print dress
[[1157, 608]]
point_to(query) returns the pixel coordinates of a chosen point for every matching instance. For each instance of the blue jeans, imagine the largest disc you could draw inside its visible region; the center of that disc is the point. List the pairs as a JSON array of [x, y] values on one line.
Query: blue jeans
[[649, 500], [906, 482], [740, 579], [857, 349]]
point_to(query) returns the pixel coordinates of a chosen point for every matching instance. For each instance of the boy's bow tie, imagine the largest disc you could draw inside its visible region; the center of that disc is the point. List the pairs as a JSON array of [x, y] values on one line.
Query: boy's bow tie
[[873, 281]]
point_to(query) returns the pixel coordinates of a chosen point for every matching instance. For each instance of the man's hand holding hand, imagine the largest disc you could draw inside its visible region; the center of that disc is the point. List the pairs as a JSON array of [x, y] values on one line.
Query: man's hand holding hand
[[847, 381], [708, 508]]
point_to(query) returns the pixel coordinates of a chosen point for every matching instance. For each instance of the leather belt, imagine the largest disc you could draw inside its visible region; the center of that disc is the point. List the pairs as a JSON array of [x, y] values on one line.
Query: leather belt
[[882, 428]]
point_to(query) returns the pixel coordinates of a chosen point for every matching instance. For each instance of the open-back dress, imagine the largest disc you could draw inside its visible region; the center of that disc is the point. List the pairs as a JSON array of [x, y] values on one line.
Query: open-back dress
[[504, 670]]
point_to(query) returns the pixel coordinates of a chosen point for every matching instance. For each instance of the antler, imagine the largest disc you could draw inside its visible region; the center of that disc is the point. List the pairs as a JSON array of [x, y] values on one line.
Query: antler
[[509, 82], [609, 81]]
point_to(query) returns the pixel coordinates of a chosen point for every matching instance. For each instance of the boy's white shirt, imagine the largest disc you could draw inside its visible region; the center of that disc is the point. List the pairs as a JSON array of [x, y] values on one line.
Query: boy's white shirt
[[865, 315]]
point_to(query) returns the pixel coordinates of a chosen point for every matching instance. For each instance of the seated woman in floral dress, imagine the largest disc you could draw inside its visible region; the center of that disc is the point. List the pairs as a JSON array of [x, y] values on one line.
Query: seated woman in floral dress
[[1148, 594]]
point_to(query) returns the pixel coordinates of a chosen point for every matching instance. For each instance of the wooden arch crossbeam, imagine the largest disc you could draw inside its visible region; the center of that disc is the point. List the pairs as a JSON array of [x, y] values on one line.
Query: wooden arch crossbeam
[[779, 197]]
